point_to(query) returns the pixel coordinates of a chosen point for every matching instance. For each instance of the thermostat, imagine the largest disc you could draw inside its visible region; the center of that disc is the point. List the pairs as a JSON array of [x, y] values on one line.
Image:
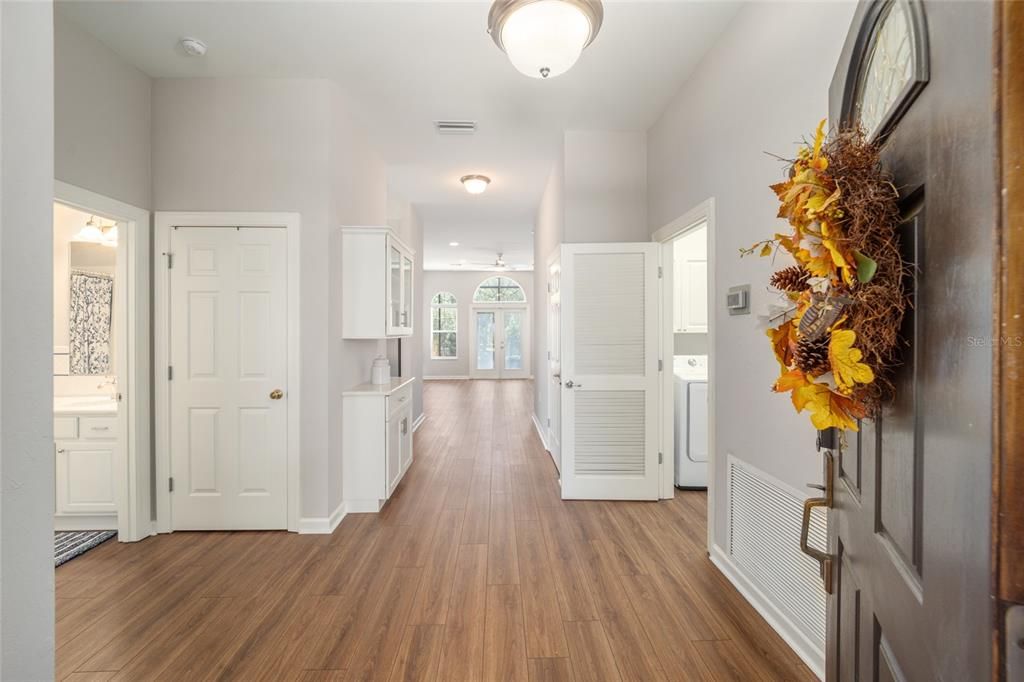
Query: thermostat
[[737, 300]]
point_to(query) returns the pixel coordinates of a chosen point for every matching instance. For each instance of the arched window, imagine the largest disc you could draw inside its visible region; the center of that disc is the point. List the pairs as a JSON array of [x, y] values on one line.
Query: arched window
[[444, 323], [499, 290]]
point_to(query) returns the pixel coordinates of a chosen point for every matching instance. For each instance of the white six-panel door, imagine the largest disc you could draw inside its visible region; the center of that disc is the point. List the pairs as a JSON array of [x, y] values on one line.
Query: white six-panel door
[[228, 353], [610, 379]]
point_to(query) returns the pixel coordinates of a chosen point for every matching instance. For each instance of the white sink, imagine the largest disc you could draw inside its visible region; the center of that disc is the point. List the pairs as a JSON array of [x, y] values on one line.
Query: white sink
[[93, 404]]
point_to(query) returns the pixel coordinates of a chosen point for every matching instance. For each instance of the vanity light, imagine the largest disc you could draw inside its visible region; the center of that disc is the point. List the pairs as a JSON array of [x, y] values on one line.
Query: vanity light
[[475, 184], [544, 38], [98, 233]]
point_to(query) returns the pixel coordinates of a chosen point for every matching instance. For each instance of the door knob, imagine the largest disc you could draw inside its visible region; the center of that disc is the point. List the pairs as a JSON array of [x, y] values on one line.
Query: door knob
[[276, 394], [569, 384]]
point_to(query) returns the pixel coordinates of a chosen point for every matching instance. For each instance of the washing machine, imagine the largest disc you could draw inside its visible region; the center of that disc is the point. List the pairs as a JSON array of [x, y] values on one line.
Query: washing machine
[[691, 420]]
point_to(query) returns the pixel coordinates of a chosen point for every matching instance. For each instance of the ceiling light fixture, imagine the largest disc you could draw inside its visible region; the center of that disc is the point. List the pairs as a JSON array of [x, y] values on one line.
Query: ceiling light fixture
[[544, 38], [475, 184], [453, 243], [98, 233], [193, 47]]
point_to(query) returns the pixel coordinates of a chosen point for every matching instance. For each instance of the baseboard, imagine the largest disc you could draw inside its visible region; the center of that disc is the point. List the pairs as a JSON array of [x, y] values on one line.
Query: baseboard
[[446, 378], [540, 431], [85, 522], [797, 641], [363, 506], [419, 422], [322, 525]]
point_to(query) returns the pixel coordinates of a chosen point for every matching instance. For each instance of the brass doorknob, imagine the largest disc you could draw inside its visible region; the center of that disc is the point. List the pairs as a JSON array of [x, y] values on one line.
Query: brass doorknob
[[276, 394]]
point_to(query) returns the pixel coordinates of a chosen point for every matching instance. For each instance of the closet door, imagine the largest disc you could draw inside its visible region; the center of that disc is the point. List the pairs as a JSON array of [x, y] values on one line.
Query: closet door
[[610, 379]]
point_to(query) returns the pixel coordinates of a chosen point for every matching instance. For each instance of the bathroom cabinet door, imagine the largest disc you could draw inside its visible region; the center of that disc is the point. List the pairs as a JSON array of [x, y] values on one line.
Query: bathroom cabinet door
[[85, 478]]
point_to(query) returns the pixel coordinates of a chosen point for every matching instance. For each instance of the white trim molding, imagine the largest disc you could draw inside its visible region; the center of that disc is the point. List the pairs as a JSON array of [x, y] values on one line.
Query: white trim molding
[[809, 653], [439, 377], [540, 431], [419, 422], [164, 221], [132, 454], [322, 525]]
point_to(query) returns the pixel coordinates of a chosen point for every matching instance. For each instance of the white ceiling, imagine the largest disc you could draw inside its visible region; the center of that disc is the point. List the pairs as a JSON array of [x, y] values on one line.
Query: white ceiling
[[411, 63]]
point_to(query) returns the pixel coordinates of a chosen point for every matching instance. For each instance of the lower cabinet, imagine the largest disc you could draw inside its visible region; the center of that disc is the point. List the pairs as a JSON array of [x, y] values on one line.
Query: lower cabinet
[[85, 454], [376, 442]]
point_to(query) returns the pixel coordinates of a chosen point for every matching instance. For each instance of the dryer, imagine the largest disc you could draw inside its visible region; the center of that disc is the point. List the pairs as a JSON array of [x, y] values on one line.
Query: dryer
[[691, 420]]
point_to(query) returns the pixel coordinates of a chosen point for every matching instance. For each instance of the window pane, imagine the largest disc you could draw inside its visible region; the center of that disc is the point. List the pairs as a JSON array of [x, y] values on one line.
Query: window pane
[[513, 339], [485, 340], [515, 294], [499, 290], [443, 298], [446, 319], [443, 345]]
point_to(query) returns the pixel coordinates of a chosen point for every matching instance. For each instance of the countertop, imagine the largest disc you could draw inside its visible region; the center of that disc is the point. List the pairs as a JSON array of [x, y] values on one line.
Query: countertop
[[380, 389], [84, 404]]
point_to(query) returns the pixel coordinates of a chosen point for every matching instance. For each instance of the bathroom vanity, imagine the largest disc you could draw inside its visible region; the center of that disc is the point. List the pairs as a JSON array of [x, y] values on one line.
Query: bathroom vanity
[[85, 446]]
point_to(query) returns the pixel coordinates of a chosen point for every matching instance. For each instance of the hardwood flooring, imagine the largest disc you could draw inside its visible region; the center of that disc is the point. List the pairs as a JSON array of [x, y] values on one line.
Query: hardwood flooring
[[475, 570]]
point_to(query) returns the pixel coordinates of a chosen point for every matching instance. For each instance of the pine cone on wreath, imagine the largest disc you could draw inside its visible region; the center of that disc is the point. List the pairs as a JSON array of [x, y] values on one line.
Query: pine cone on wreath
[[811, 356], [793, 279]]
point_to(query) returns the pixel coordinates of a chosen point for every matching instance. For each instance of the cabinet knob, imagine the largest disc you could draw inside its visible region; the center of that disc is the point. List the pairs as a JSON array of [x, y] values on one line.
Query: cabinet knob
[[276, 394]]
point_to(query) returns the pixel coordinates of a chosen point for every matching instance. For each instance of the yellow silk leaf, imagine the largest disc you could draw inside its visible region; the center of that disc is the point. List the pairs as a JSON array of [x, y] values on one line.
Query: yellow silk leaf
[[847, 369]]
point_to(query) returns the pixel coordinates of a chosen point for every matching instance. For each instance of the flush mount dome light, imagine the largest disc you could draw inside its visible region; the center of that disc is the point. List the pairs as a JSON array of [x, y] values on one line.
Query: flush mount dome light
[[544, 38], [475, 184]]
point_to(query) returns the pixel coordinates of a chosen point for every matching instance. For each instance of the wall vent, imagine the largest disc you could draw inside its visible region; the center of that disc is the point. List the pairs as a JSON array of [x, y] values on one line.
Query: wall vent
[[455, 127], [764, 540]]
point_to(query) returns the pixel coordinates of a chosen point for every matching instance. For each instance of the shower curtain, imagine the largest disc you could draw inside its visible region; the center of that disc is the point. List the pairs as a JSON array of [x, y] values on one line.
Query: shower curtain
[[92, 300]]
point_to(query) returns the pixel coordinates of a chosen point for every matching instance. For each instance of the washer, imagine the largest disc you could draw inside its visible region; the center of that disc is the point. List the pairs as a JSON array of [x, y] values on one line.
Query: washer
[[691, 420]]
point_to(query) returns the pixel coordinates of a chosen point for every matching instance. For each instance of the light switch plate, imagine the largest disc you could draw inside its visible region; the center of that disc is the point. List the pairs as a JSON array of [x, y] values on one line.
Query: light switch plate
[[737, 300]]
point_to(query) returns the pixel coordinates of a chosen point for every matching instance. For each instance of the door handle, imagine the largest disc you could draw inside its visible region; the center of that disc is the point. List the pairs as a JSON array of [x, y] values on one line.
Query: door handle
[[571, 384], [276, 394], [824, 559]]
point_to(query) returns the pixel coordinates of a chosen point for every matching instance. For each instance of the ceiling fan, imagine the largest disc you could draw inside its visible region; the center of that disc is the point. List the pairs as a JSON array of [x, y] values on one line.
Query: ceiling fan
[[498, 264]]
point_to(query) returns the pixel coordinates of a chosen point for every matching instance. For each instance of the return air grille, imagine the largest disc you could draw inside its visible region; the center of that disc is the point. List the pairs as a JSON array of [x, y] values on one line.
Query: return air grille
[[764, 540], [455, 127]]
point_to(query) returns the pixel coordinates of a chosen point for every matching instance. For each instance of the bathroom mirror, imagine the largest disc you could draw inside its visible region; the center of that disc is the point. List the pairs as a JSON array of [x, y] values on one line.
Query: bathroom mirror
[[91, 270]]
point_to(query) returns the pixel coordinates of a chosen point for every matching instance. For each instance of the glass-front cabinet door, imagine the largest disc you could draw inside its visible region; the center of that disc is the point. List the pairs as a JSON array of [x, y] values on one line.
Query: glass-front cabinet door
[[394, 289], [407, 300]]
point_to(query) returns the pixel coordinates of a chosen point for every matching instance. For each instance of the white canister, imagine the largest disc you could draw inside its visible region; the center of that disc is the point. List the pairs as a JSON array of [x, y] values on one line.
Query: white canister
[[380, 373]]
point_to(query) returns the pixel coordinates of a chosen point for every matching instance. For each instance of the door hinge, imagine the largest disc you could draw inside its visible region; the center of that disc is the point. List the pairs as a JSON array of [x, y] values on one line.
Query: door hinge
[[549, 287], [549, 422], [661, 365], [659, 272], [661, 458], [170, 484], [170, 260], [170, 372]]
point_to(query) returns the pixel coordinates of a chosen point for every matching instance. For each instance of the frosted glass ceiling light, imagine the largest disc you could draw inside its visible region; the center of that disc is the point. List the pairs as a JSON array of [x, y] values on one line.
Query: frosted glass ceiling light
[[475, 184], [544, 38]]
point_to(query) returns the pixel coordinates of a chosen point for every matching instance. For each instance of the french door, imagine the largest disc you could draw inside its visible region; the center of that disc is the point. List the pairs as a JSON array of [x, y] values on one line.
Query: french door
[[500, 342], [228, 389], [610, 390]]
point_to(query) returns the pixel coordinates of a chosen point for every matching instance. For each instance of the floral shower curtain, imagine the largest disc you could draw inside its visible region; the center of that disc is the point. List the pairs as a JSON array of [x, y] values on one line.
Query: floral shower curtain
[[92, 300]]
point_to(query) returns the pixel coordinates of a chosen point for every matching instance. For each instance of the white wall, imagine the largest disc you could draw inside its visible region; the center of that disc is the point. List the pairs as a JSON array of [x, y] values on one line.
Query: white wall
[[745, 98], [605, 186], [282, 145], [102, 118], [463, 284], [26, 327]]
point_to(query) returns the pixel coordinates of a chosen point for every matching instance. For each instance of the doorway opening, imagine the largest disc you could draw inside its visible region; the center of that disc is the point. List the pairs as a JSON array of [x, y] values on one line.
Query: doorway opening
[[688, 343]]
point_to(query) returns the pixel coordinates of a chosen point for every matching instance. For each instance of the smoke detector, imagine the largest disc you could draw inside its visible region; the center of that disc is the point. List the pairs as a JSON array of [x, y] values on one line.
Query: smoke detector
[[193, 47]]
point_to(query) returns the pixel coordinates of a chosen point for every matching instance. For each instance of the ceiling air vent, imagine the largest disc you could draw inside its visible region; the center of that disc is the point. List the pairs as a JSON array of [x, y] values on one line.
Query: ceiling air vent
[[455, 127]]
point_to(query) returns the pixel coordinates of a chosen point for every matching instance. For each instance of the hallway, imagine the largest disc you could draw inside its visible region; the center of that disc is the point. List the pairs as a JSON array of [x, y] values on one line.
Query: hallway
[[475, 570]]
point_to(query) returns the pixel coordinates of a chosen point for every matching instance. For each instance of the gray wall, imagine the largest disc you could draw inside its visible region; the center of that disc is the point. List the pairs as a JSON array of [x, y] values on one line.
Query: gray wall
[[26, 306], [690, 344], [605, 186], [549, 232], [102, 118], [282, 145], [463, 285], [710, 143]]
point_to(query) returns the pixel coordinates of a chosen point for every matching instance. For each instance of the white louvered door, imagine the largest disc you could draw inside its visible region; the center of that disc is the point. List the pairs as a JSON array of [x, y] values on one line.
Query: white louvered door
[[610, 384], [228, 349]]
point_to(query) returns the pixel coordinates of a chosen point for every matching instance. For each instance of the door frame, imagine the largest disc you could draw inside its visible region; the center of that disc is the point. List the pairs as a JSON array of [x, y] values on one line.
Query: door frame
[[554, 442], [164, 222], [527, 359], [704, 212], [132, 339]]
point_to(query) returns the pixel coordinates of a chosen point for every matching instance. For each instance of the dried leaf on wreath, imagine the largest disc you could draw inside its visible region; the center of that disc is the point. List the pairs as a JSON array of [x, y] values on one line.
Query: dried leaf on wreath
[[828, 408], [847, 368], [866, 267]]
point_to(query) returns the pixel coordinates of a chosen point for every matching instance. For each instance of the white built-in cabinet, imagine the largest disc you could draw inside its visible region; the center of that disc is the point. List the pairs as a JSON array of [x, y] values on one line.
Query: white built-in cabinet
[[85, 447], [377, 284], [690, 283], [376, 442]]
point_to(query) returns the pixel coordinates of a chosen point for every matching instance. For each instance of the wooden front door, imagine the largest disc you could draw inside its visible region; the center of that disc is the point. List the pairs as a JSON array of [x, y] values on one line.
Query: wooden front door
[[910, 528]]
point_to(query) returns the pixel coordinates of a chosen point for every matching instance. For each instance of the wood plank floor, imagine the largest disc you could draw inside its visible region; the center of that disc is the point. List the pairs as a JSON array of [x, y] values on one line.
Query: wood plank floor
[[475, 570]]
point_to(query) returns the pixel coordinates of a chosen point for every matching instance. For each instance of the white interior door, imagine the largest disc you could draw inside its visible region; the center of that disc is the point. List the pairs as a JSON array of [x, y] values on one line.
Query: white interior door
[[229, 384], [554, 364], [500, 343], [610, 380]]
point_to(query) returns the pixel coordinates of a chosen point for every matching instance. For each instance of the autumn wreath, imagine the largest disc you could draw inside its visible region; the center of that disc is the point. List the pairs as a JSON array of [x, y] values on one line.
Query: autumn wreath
[[837, 335]]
